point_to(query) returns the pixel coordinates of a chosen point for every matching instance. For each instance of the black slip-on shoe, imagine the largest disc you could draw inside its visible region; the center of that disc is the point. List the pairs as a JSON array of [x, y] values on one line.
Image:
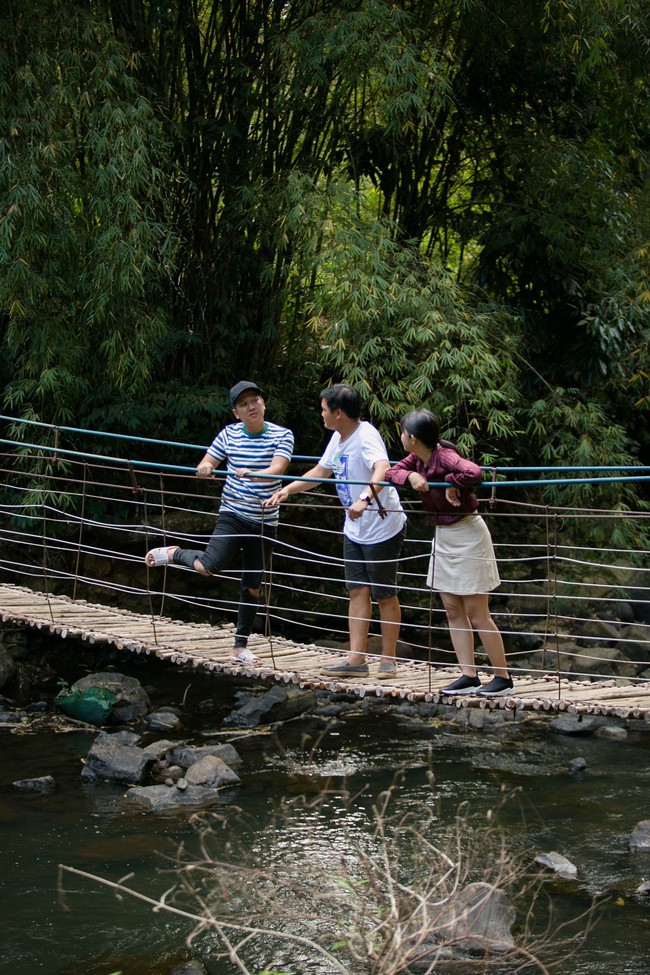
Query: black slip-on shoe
[[497, 687], [463, 685]]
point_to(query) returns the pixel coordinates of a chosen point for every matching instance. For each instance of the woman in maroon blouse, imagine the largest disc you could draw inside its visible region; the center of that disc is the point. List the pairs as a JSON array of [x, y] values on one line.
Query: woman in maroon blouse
[[462, 566]]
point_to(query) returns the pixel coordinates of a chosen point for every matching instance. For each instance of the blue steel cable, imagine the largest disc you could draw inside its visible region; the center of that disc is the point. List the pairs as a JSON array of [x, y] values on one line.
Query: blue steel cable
[[300, 457], [155, 466]]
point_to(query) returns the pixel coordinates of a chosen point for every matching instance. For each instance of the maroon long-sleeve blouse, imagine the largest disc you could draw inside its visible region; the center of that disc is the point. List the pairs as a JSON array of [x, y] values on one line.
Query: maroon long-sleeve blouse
[[445, 464]]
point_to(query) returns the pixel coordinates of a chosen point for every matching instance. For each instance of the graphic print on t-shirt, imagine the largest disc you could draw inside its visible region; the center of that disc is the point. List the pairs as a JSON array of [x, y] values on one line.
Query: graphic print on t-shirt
[[340, 462]]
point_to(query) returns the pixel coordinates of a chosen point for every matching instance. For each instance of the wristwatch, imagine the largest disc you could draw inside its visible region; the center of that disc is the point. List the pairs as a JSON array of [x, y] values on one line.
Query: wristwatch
[[366, 496]]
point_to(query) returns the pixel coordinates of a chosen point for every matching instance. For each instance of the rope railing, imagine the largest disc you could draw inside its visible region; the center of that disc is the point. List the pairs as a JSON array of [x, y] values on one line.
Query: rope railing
[[84, 523]]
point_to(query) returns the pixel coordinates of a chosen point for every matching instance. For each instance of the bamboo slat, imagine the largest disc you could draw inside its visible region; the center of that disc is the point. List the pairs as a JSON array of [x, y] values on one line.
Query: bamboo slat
[[209, 647]]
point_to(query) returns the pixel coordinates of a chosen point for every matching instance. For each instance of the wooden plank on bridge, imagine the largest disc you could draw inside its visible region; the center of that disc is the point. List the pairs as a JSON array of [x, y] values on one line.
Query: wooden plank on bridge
[[209, 647]]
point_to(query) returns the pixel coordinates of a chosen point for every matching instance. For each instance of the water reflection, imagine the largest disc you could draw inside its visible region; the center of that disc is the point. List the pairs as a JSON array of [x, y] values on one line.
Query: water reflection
[[588, 817]]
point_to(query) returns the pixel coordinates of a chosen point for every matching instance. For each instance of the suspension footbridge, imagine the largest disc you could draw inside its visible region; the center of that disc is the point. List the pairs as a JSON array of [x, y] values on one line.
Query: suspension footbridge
[[76, 523], [208, 648]]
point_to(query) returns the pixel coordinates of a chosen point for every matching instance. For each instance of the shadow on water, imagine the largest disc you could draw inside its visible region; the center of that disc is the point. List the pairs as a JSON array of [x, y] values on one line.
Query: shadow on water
[[588, 817]]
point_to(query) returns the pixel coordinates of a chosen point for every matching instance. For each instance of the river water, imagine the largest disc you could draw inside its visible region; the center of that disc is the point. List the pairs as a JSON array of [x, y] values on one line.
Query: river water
[[588, 817]]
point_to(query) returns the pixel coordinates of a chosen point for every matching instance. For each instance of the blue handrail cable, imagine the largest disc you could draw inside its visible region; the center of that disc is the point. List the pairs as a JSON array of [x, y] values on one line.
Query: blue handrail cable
[[303, 457], [636, 477], [155, 466]]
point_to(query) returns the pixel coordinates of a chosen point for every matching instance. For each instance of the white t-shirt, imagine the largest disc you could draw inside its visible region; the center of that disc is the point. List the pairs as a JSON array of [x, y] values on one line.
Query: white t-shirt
[[353, 460]]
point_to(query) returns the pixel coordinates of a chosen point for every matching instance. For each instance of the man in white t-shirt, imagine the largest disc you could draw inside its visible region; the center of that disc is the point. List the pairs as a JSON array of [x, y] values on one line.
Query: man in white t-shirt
[[374, 526]]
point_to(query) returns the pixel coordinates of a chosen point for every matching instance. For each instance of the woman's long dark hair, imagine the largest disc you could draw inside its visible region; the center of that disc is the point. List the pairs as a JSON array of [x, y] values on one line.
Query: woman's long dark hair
[[424, 425]]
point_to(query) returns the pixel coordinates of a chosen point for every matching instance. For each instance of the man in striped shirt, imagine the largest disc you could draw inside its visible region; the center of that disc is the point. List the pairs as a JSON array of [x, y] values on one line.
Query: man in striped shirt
[[252, 446]]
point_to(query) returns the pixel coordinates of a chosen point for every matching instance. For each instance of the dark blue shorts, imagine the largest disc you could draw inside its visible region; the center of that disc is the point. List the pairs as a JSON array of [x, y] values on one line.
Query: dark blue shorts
[[373, 565]]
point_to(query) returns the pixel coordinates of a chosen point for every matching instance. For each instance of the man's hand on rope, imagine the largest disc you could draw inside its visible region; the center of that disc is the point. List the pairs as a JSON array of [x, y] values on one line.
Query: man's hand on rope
[[276, 498]]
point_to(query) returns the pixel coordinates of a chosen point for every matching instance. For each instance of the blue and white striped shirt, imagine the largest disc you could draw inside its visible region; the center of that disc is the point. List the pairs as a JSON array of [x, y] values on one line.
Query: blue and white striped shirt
[[243, 495]]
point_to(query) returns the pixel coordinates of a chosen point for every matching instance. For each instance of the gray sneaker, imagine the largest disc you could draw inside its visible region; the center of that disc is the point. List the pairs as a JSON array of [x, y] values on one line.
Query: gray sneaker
[[386, 671], [346, 670]]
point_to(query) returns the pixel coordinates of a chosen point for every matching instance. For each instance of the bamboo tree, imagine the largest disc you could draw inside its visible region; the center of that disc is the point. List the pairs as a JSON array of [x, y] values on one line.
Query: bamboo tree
[[84, 249], [443, 201]]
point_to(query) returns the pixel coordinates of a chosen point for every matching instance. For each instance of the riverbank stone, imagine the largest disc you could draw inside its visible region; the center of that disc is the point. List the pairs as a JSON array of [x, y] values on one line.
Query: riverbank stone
[[640, 838], [187, 755], [109, 760], [212, 772], [131, 699], [41, 783], [474, 920], [192, 967], [182, 795], [334, 710], [126, 737], [557, 864], [641, 604], [575, 724], [604, 661], [276, 704], [37, 707], [614, 732], [163, 721], [157, 750], [428, 710]]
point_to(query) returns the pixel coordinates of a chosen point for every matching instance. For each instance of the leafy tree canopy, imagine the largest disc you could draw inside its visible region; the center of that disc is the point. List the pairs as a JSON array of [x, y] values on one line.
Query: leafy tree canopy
[[84, 240], [442, 203]]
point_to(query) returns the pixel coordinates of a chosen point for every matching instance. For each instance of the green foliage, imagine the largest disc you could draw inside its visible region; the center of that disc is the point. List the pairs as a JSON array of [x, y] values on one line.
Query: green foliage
[[441, 203], [83, 249], [395, 325], [577, 433], [565, 223], [40, 474], [569, 261]]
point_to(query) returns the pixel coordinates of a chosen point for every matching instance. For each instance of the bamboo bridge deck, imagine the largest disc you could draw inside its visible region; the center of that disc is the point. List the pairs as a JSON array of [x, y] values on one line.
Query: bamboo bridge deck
[[208, 648]]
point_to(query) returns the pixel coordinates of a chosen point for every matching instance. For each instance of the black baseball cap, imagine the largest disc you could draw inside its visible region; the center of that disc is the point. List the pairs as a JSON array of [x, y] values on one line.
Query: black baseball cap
[[243, 387]]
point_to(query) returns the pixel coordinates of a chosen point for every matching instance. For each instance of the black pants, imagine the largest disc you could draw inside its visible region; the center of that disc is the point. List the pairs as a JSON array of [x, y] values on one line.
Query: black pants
[[231, 536]]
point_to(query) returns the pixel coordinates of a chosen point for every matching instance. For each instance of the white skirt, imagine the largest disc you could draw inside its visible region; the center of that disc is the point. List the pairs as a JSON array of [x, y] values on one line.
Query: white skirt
[[462, 558]]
